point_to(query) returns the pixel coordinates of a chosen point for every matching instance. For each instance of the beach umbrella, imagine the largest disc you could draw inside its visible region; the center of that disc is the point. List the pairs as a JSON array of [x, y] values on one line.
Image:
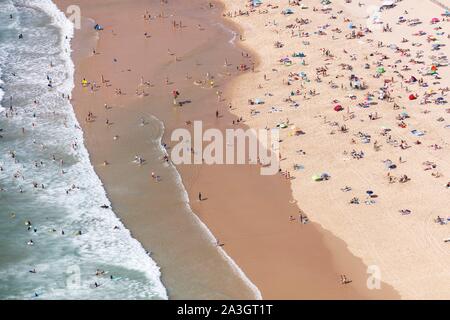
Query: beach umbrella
[[317, 177], [369, 192], [381, 70], [412, 97], [435, 20], [325, 176], [350, 25], [338, 107]]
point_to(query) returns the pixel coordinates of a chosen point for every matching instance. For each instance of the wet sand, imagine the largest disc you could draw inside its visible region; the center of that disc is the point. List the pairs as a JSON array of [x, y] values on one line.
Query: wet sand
[[248, 212]]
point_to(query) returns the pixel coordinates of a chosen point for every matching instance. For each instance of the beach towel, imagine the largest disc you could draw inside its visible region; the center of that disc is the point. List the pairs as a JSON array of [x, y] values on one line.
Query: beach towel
[[417, 133]]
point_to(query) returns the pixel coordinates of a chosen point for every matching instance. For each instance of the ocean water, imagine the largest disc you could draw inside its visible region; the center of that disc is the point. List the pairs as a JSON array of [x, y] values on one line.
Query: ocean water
[[54, 234]]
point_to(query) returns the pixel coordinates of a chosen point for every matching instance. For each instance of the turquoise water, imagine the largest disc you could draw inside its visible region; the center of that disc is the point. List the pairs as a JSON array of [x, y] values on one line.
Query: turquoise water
[[54, 234]]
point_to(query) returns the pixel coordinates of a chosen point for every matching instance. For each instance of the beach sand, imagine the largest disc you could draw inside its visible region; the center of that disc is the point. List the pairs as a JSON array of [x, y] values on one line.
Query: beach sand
[[408, 250], [247, 212]]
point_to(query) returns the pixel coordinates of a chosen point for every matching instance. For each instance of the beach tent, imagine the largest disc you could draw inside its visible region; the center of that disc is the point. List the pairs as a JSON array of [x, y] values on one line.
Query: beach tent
[[98, 27], [317, 177], [325, 2], [387, 4], [298, 55], [288, 11], [256, 3], [417, 133]]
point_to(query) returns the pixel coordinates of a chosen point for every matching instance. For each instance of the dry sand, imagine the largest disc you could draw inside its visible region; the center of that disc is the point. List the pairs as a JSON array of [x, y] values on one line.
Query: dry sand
[[409, 250]]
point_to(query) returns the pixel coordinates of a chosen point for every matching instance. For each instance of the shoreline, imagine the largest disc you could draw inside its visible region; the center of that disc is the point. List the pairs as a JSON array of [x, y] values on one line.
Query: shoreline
[[73, 225], [203, 215], [205, 251]]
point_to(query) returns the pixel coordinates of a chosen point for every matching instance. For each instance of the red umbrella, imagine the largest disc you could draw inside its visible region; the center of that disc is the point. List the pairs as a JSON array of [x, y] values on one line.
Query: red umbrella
[[338, 107], [412, 97]]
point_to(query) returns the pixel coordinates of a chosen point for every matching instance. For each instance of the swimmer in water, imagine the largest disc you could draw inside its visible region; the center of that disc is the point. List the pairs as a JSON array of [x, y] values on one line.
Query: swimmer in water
[[99, 272]]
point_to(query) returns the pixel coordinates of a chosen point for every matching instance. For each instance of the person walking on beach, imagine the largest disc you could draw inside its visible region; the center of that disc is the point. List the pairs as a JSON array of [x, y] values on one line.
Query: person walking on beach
[[175, 94], [199, 196]]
